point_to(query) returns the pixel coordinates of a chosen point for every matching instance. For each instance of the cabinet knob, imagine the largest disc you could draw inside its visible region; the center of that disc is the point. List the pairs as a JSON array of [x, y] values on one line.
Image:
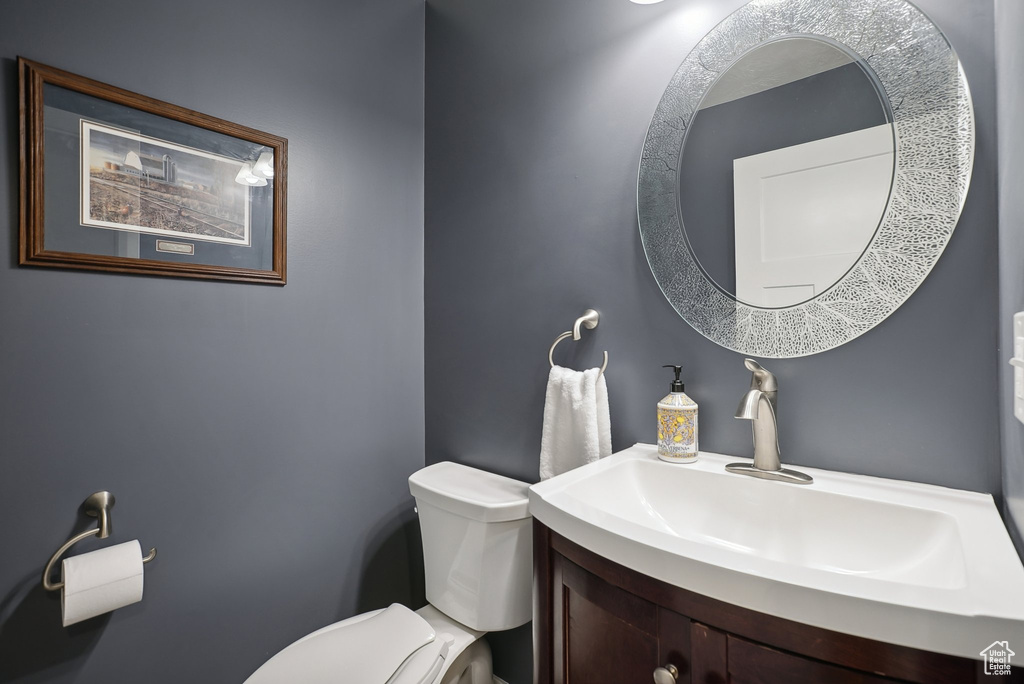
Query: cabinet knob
[[666, 675]]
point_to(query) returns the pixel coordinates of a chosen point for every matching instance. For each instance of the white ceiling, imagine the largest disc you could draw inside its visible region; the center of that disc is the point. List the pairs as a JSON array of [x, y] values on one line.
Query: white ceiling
[[774, 64]]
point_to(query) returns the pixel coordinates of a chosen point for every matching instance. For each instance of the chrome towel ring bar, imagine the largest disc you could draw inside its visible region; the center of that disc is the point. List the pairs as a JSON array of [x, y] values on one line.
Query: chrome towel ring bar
[[588, 320]]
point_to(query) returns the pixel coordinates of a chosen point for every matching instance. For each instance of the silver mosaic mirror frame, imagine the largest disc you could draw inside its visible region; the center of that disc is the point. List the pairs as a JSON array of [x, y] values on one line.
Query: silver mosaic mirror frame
[[934, 156]]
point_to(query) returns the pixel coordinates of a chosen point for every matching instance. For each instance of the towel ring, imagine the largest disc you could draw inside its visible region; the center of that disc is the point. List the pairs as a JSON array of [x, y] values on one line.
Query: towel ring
[[588, 320]]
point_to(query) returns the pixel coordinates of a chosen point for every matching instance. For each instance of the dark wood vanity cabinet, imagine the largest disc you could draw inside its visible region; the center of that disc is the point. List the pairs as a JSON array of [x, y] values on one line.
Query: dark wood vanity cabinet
[[597, 622]]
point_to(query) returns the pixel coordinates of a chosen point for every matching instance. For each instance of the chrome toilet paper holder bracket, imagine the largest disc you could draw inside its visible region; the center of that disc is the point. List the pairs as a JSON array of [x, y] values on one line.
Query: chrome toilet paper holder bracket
[[97, 505]]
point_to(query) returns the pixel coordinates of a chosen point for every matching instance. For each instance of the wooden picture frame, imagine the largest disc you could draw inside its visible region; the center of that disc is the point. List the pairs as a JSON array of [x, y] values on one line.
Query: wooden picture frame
[[116, 181]]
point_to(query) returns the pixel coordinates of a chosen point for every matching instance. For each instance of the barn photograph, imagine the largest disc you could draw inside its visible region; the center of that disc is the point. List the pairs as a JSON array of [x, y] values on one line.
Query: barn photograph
[[134, 182]]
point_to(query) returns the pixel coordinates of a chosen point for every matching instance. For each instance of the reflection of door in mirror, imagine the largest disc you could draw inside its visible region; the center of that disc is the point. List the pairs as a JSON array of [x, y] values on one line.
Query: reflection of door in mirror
[[785, 172], [804, 214]]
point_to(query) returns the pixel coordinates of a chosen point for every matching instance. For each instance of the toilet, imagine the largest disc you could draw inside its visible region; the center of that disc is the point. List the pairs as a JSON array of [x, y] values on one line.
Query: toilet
[[477, 557]]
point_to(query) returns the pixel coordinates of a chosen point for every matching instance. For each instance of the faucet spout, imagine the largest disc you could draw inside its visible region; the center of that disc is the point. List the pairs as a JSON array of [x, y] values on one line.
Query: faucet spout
[[748, 405]]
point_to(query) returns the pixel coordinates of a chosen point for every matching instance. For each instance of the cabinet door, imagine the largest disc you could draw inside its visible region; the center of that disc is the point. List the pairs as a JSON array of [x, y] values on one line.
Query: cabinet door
[[602, 634], [709, 649], [751, 663], [674, 639]]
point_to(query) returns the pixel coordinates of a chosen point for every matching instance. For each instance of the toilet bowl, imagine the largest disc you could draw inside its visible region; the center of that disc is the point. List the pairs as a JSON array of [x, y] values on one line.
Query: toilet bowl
[[477, 558]]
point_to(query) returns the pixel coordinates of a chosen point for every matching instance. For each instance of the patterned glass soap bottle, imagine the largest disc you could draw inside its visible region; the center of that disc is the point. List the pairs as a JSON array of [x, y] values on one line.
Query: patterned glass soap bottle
[[677, 425]]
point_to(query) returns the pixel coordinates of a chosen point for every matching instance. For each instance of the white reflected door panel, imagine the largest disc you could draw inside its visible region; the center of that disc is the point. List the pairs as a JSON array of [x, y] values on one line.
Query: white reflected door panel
[[804, 214]]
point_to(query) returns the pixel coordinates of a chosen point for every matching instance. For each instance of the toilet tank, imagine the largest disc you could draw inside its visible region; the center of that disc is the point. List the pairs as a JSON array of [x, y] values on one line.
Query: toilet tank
[[477, 545]]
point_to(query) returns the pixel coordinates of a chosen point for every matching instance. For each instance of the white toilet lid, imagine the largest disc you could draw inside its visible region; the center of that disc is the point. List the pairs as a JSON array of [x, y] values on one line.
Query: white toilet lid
[[368, 649]]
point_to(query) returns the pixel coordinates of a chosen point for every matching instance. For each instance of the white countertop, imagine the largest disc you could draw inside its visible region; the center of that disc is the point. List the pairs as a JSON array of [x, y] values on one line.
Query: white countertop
[[901, 562]]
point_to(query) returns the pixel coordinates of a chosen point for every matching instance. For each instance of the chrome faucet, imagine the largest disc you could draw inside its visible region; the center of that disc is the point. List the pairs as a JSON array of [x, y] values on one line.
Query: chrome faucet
[[760, 406]]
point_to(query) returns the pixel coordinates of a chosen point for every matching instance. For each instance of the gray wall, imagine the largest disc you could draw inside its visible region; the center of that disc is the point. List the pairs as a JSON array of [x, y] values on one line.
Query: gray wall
[[1009, 67], [535, 116], [249, 432]]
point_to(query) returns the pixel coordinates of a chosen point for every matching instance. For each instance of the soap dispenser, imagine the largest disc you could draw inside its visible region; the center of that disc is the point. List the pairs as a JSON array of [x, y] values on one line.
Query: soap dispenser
[[677, 424]]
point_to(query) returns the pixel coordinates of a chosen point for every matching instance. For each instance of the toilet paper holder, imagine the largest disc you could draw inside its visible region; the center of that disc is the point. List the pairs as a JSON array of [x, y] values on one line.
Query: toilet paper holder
[[98, 506]]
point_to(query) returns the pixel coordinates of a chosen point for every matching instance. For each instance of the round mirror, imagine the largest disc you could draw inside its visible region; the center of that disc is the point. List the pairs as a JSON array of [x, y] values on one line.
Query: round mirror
[[785, 171], [804, 171]]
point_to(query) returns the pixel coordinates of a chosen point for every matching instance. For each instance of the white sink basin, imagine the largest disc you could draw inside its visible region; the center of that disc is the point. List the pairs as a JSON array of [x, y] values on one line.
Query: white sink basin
[[912, 564]]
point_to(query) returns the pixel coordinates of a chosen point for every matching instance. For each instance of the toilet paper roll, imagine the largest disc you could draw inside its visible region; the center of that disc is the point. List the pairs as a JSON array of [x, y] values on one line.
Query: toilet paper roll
[[101, 581]]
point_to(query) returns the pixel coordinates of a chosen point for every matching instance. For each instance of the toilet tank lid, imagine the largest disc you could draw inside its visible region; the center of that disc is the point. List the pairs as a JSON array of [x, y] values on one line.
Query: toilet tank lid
[[471, 493]]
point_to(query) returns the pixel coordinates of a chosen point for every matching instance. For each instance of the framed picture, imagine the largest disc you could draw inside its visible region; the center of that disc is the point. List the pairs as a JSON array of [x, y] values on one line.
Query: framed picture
[[116, 181]]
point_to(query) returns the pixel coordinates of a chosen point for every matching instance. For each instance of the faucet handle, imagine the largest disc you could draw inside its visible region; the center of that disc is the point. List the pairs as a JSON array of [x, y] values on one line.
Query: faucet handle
[[763, 379]]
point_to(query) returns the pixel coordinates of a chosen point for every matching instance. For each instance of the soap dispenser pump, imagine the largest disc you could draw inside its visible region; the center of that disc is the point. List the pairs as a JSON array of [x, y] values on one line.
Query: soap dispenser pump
[[677, 424]]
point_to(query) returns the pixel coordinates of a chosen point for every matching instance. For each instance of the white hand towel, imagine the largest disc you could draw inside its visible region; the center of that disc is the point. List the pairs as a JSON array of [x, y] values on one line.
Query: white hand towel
[[577, 425]]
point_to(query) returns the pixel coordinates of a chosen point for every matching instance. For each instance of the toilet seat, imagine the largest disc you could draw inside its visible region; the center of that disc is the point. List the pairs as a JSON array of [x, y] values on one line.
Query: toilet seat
[[389, 646]]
